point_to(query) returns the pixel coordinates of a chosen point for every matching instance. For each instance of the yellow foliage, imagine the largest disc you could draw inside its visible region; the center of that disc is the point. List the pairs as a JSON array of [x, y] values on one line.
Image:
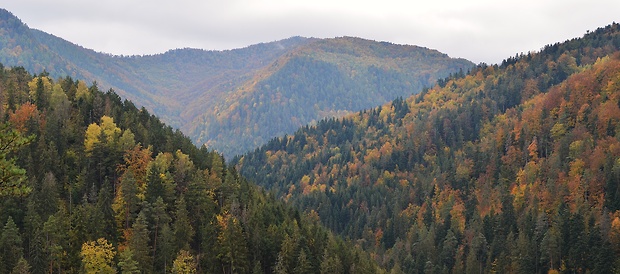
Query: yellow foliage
[[518, 192], [458, 216], [32, 85], [558, 130], [576, 148], [410, 211], [82, 91], [464, 169], [614, 233], [110, 131], [92, 137], [386, 149], [305, 181], [222, 220], [119, 207], [98, 256], [577, 168], [372, 156], [184, 263], [161, 164], [109, 128], [58, 95], [386, 111]]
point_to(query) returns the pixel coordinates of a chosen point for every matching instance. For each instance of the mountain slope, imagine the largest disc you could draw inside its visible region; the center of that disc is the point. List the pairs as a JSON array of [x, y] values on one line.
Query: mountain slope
[[325, 78], [113, 189], [510, 168], [208, 94], [164, 83]]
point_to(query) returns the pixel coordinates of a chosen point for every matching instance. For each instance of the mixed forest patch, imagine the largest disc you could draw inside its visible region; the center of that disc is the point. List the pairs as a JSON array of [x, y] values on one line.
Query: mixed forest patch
[[508, 168], [90, 183]]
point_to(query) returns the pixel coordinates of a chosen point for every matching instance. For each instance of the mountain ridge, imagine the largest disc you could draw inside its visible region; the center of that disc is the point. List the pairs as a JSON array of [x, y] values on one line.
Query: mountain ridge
[[183, 85], [319, 74]]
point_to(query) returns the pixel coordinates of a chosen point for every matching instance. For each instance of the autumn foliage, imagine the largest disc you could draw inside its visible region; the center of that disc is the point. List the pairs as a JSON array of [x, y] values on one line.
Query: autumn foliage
[[508, 168]]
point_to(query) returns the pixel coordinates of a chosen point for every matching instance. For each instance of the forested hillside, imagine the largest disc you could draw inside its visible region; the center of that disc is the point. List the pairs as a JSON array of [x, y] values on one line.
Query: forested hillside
[[325, 78], [511, 168], [231, 99], [163, 83], [91, 184]]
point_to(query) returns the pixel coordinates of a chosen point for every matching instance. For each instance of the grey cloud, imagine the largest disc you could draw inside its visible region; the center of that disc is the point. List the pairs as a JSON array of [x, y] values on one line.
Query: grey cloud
[[481, 30]]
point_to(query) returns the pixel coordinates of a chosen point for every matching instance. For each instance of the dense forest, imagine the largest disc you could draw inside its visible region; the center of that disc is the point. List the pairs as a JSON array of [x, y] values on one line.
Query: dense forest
[[91, 184], [229, 99], [509, 168], [325, 78]]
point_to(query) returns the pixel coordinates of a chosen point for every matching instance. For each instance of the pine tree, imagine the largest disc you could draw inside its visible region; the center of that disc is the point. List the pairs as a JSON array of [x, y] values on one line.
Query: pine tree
[[57, 240], [12, 177], [280, 267], [127, 263], [233, 252], [22, 267], [10, 246], [159, 217], [258, 268], [126, 201], [183, 231], [165, 248], [303, 264], [139, 243], [331, 264]]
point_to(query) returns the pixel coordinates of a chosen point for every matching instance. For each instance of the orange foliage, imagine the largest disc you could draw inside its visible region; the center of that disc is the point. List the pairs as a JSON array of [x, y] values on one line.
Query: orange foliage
[[378, 236], [137, 160], [488, 197], [614, 233], [608, 116], [458, 216], [24, 113]]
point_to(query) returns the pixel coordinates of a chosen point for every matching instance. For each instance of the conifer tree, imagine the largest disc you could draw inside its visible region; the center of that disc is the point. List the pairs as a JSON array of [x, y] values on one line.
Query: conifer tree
[[159, 217], [166, 248], [10, 246], [22, 267], [183, 231], [139, 243], [12, 177], [233, 252], [127, 263]]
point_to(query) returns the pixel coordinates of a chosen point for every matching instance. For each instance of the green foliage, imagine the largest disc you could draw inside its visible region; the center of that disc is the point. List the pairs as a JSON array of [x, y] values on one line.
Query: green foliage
[[507, 168], [12, 177], [138, 243], [22, 267], [10, 246], [127, 264], [105, 176]]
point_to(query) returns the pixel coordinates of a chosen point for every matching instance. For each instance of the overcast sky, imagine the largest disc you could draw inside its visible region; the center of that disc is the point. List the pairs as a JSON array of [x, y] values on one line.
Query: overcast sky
[[478, 30]]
